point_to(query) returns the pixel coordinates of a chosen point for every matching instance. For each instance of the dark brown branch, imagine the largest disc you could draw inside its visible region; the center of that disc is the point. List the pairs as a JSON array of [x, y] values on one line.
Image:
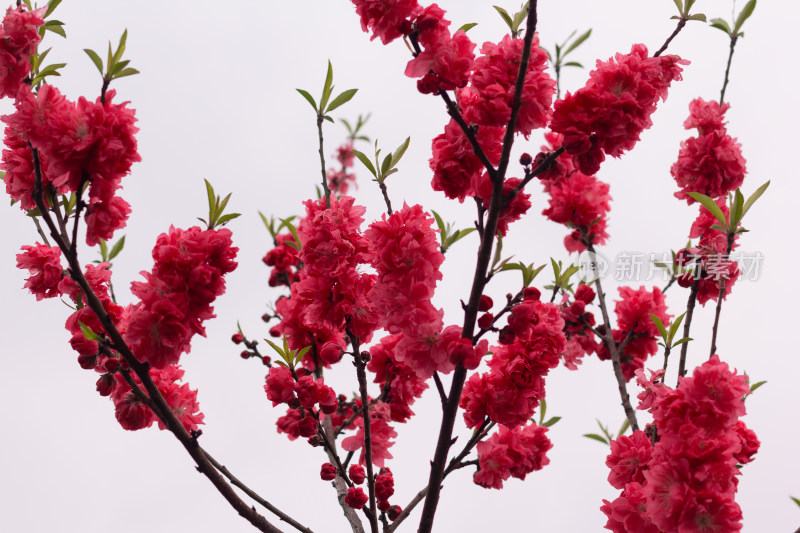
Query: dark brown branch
[[478, 283], [727, 70], [322, 162], [250, 492], [440, 388], [385, 193], [615, 355], [681, 24], [687, 326], [720, 297], [340, 483], [163, 410]]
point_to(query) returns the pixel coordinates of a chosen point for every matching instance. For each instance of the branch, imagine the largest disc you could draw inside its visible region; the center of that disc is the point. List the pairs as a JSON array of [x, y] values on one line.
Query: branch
[[720, 297], [687, 325], [612, 348], [681, 24], [163, 411], [322, 163], [478, 283], [440, 388], [727, 70], [250, 492], [339, 482]]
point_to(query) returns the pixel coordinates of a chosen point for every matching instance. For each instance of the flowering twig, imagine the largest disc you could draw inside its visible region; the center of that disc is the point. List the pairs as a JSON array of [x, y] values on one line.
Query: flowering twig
[[479, 282], [339, 482], [681, 23], [612, 348], [734, 38], [320, 118], [720, 297], [687, 325], [163, 410]]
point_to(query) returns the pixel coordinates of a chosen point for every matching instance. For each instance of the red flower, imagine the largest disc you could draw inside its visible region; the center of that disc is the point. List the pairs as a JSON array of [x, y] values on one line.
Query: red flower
[[44, 266]]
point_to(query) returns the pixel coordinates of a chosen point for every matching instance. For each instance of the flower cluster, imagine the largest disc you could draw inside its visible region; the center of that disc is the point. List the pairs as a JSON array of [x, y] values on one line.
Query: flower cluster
[[636, 335], [608, 114], [711, 163], [387, 19], [284, 260], [44, 266], [531, 345], [19, 37], [77, 143], [687, 481], [340, 180], [511, 453], [306, 397], [176, 296], [577, 327]]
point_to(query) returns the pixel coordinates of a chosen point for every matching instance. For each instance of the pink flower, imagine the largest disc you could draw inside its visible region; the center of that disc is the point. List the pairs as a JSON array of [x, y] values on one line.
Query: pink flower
[[386, 18], [611, 111], [381, 431], [19, 37], [511, 453], [445, 62], [628, 457], [44, 266], [579, 201], [355, 497], [280, 385], [711, 163]]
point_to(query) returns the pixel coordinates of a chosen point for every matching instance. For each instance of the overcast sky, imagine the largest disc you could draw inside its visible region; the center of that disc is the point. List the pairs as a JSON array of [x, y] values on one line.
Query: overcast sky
[[216, 99]]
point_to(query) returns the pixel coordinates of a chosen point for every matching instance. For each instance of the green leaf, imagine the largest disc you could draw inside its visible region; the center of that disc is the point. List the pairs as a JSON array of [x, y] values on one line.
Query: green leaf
[[117, 248], [120, 49], [520, 16], [119, 66], [625, 425], [795, 500], [721, 24], [660, 325], [365, 160], [385, 165], [505, 16], [342, 99], [498, 250], [685, 339], [293, 231], [95, 59], [542, 410], [753, 197], [711, 205], [58, 29], [460, 234], [224, 219], [553, 421], [212, 200], [400, 151], [466, 27], [577, 42], [328, 118], [679, 4], [327, 88], [51, 7], [697, 16], [756, 386], [573, 64], [276, 348], [596, 437], [305, 94], [744, 14], [126, 72], [88, 333], [103, 250], [605, 431], [673, 329]]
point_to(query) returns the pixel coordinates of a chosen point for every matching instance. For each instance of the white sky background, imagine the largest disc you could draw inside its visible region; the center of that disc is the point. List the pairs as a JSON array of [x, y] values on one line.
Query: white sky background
[[216, 100]]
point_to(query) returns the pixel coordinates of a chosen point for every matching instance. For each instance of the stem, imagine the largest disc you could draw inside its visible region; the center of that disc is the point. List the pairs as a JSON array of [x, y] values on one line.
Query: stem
[[322, 163], [667, 351], [362, 387], [440, 388], [720, 297], [544, 165], [452, 110], [615, 357], [339, 483], [385, 193], [687, 325], [247, 490], [727, 69], [479, 281], [681, 24], [163, 410]]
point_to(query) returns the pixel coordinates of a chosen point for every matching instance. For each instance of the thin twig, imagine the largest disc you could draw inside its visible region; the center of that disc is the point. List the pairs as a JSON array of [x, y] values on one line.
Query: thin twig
[[440, 388], [322, 162], [720, 297], [687, 326], [630, 413], [681, 24], [385, 192], [728, 69], [340, 484]]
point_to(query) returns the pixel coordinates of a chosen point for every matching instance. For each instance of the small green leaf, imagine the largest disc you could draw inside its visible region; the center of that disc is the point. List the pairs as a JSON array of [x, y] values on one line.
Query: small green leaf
[[660, 325], [577, 42], [400, 151], [711, 205], [505, 16], [721, 24], [498, 250], [679, 4], [795, 500], [126, 72], [342, 99], [365, 160], [596, 437], [58, 29], [117, 248], [542, 410], [553, 421], [466, 27], [697, 16], [224, 219], [305, 94], [103, 250], [276, 348], [753, 197], [673, 329], [744, 14], [685, 339], [756, 386], [51, 7], [120, 48], [327, 88], [573, 64], [88, 333]]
